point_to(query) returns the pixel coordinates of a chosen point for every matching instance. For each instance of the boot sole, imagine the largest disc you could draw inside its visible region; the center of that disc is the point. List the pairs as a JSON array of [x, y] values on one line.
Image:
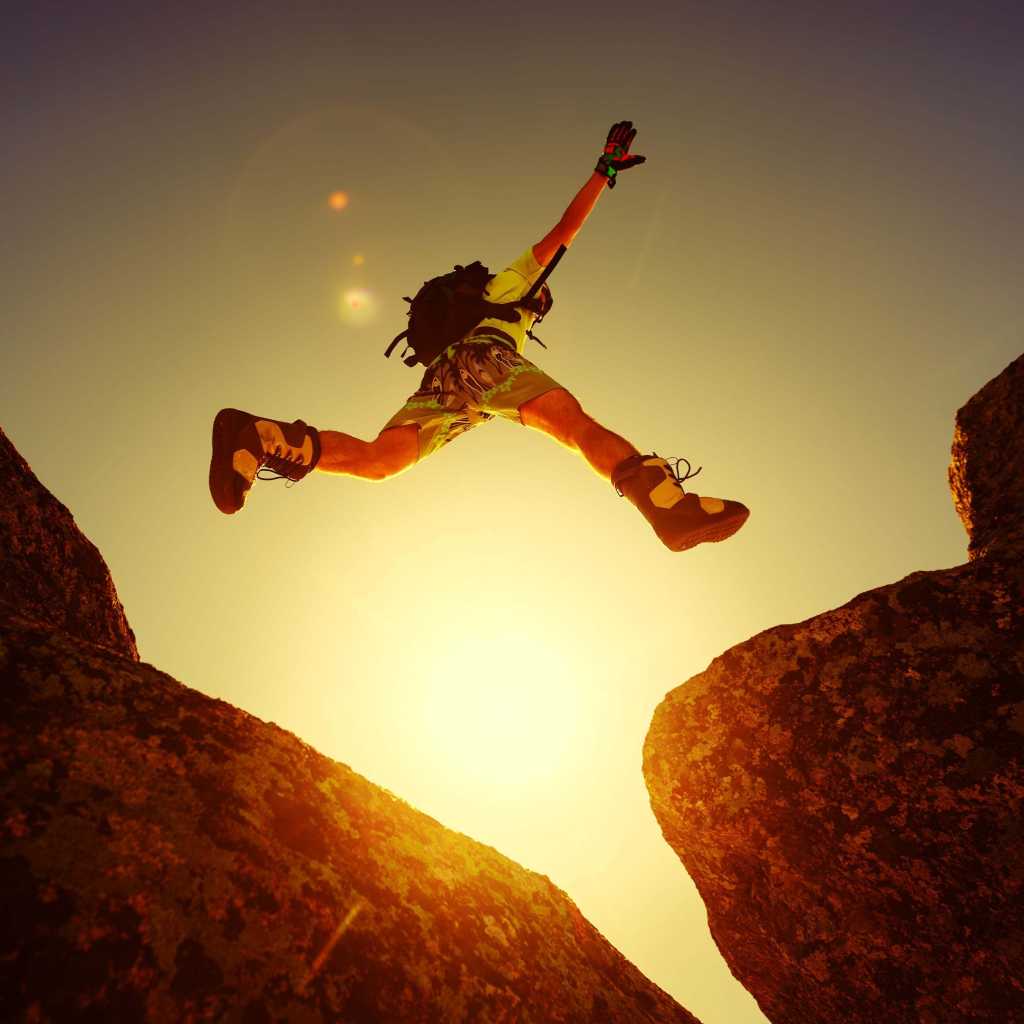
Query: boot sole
[[222, 473], [710, 534]]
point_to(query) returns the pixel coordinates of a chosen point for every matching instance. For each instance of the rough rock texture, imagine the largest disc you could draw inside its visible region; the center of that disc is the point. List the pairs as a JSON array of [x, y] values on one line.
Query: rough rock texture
[[166, 857], [49, 572], [846, 792], [987, 471]]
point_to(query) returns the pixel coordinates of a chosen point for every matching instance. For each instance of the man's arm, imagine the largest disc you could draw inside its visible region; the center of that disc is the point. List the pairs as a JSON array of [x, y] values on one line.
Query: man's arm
[[572, 220]]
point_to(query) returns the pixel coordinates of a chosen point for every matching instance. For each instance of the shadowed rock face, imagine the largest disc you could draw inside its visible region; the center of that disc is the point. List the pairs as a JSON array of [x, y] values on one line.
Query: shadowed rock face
[[987, 471], [167, 857], [846, 792], [49, 572]]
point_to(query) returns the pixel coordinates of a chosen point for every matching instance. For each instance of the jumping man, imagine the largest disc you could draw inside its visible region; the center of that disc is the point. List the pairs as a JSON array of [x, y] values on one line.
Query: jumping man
[[483, 375]]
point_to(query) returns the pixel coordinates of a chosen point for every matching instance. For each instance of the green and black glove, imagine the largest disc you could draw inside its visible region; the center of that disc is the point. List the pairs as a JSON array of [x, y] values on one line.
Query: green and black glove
[[616, 156]]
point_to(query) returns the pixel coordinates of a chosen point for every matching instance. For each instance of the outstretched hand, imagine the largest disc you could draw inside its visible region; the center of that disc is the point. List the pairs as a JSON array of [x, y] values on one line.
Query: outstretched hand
[[616, 156]]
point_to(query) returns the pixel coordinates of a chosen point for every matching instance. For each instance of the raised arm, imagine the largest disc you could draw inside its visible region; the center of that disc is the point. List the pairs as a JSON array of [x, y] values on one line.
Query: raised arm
[[614, 159], [572, 220]]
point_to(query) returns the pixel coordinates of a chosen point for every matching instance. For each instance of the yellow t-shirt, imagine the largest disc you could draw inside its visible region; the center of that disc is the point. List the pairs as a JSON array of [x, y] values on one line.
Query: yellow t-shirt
[[511, 284]]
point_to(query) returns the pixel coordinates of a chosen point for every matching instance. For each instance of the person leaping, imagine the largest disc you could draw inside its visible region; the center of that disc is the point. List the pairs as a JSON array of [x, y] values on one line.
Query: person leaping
[[482, 375]]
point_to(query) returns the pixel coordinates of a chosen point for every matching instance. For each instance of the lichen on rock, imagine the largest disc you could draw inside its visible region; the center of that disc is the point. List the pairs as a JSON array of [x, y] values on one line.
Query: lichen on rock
[[49, 571], [846, 792], [986, 473], [167, 857]]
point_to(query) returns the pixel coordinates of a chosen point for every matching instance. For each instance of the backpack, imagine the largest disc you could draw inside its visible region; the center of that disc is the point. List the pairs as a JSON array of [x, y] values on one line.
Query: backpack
[[447, 308]]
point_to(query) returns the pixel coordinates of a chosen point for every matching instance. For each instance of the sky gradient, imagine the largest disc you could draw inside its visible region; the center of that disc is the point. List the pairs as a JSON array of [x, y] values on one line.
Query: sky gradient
[[819, 262]]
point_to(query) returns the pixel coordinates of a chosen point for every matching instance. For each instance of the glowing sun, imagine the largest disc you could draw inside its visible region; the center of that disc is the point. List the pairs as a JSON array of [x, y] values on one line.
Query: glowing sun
[[502, 715]]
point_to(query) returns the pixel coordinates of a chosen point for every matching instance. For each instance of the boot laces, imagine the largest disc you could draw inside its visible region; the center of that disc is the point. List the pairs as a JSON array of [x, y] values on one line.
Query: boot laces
[[283, 467], [673, 471], [688, 475]]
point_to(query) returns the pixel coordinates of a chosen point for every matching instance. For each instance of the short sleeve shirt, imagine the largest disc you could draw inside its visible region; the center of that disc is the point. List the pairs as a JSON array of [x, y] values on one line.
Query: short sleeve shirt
[[511, 284]]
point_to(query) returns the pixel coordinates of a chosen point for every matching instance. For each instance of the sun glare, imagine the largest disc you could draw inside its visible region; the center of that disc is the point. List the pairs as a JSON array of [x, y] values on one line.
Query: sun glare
[[338, 200], [502, 715]]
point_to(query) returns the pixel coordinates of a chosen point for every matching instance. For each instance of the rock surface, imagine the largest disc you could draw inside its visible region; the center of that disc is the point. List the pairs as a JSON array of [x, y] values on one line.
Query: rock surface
[[166, 857], [50, 572], [846, 792], [987, 471]]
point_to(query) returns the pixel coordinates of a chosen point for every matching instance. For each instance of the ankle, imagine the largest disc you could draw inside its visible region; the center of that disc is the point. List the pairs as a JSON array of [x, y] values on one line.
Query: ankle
[[601, 448]]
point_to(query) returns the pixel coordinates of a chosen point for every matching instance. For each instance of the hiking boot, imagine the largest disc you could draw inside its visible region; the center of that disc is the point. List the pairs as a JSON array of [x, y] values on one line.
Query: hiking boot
[[680, 520], [242, 444]]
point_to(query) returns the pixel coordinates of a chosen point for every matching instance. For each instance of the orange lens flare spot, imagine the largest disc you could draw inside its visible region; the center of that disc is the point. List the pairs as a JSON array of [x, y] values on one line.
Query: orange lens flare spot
[[356, 306], [358, 260], [338, 200]]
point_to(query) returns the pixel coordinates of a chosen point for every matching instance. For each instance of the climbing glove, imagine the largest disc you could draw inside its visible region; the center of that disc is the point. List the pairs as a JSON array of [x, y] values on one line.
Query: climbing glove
[[616, 156]]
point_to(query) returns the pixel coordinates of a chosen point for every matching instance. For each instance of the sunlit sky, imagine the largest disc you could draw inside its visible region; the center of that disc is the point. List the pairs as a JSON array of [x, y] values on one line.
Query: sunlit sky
[[819, 262]]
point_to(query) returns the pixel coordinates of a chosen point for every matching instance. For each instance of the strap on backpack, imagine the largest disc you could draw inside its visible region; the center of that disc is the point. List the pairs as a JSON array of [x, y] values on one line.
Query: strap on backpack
[[408, 360], [543, 277], [391, 347], [507, 311]]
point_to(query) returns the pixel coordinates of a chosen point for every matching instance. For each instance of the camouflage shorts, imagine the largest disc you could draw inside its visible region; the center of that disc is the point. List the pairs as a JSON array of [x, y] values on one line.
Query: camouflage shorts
[[469, 383]]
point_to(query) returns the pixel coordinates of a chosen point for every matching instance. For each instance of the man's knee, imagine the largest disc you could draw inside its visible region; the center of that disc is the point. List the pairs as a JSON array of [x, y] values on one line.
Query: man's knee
[[555, 412], [395, 449]]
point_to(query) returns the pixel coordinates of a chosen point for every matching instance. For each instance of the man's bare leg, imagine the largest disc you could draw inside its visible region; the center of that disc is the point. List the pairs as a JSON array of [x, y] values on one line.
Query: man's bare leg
[[559, 414], [679, 519], [392, 452]]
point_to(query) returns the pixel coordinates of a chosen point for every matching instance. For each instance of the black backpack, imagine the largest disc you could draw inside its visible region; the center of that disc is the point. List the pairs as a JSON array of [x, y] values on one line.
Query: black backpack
[[447, 308]]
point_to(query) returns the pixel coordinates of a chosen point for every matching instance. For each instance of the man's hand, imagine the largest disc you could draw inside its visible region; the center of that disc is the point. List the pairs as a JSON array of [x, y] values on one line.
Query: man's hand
[[615, 157]]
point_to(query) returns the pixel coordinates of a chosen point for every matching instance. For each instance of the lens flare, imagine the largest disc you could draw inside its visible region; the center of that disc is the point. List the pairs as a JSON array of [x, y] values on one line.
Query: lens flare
[[358, 260], [333, 940], [357, 306], [338, 200]]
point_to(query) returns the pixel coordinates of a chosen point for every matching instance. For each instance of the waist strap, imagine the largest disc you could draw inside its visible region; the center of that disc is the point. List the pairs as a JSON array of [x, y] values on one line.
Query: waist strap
[[492, 332]]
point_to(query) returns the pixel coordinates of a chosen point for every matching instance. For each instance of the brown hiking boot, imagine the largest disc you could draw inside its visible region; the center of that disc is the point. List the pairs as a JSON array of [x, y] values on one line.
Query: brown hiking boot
[[680, 520], [242, 444]]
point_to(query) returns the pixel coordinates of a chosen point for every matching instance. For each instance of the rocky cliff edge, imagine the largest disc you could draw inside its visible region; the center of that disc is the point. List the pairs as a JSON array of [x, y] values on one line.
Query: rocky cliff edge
[[846, 792], [167, 857]]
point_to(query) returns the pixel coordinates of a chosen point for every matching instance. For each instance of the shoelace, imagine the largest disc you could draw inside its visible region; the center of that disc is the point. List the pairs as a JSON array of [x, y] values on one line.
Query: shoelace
[[690, 472], [282, 464], [673, 471]]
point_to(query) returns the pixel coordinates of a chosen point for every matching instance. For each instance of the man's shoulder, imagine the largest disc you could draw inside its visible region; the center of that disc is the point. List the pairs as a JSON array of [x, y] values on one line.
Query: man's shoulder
[[526, 264], [517, 277]]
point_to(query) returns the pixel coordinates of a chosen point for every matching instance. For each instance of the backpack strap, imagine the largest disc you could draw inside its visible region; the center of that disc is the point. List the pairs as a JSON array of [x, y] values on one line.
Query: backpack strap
[[391, 347], [528, 297], [543, 277], [492, 332], [507, 311]]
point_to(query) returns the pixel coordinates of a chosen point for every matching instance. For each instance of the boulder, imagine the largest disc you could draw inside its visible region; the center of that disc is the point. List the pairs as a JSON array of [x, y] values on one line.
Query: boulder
[[846, 792], [49, 572], [986, 474], [166, 857]]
